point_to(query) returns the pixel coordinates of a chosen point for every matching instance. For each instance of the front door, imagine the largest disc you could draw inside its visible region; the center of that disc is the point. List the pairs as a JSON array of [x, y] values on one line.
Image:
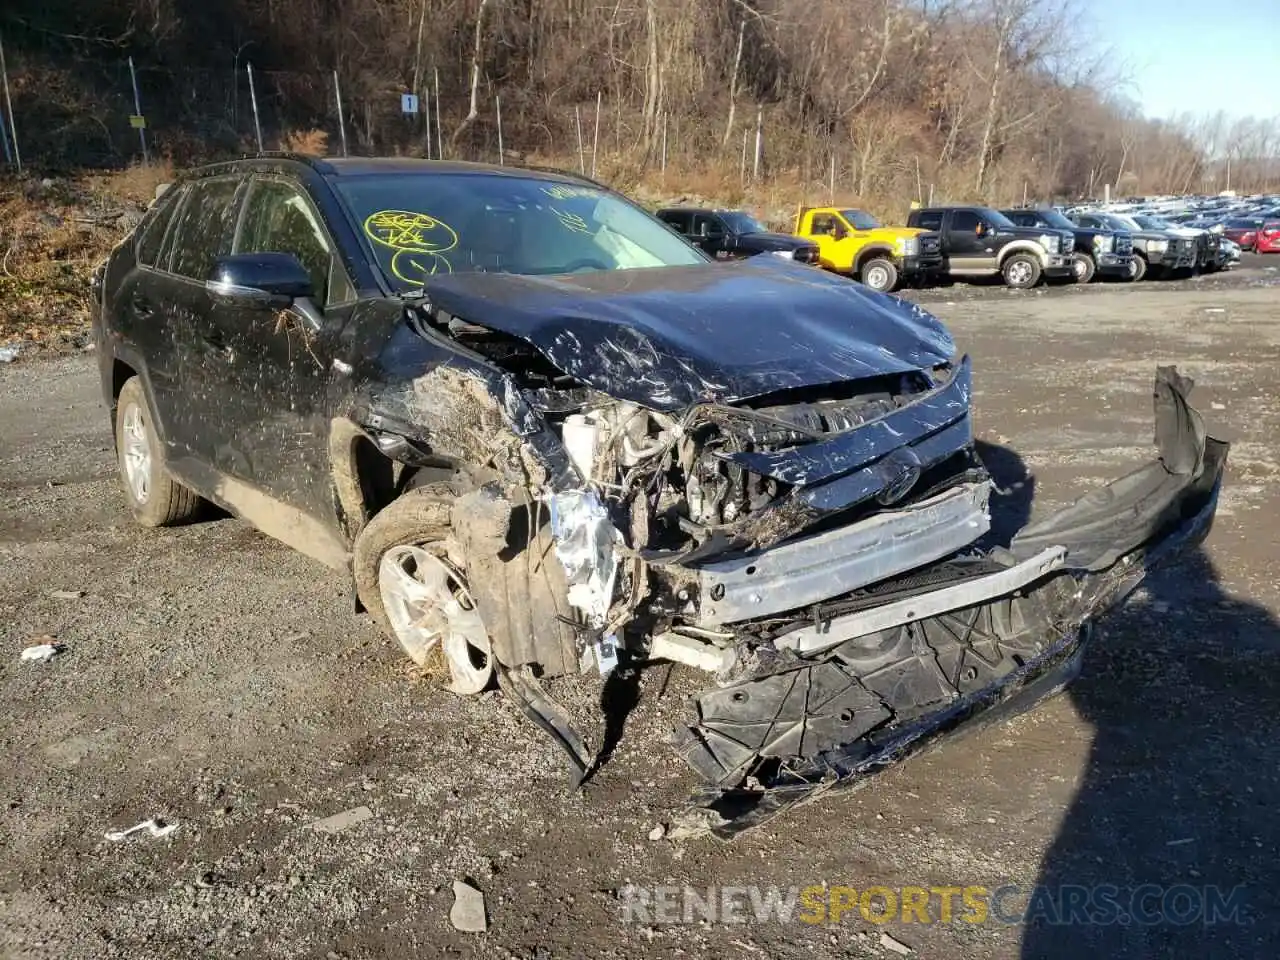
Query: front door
[[971, 249], [292, 350]]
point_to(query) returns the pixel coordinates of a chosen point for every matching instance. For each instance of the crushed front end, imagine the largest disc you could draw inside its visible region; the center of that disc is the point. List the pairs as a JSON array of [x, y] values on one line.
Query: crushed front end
[[828, 561], [824, 551]]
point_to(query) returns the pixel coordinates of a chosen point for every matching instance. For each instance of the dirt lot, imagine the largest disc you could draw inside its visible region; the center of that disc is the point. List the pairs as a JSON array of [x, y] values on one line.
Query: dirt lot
[[216, 679]]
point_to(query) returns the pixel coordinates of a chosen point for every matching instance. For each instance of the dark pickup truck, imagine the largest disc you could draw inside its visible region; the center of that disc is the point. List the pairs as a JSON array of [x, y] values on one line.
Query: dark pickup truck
[[1156, 252], [1098, 251], [981, 242], [734, 235]]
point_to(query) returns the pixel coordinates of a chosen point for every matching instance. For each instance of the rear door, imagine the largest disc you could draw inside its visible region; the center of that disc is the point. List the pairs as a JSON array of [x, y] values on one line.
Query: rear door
[[202, 408], [141, 313]]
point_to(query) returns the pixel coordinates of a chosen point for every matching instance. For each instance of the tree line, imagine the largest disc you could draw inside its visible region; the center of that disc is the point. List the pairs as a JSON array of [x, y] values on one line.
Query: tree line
[[982, 99]]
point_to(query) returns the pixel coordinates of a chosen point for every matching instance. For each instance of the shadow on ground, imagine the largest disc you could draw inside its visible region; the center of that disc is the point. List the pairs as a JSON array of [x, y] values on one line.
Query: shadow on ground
[[1169, 848]]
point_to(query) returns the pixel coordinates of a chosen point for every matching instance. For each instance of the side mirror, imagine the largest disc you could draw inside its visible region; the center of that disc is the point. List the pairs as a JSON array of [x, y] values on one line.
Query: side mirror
[[981, 229], [266, 280]]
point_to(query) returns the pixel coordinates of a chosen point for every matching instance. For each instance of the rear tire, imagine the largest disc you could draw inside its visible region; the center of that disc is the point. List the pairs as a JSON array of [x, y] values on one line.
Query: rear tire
[[154, 497], [880, 274], [1083, 268], [1021, 271]]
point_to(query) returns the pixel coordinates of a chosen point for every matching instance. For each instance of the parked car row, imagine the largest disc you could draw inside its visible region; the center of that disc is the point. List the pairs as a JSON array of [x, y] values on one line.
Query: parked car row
[[1252, 223], [1023, 247]]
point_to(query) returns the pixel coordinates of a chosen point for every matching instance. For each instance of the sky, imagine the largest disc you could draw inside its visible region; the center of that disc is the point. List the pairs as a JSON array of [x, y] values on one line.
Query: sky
[[1195, 55]]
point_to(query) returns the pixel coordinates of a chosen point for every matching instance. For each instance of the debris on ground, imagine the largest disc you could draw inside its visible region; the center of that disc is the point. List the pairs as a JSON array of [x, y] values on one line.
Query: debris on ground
[[658, 832], [46, 648], [8, 354], [341, 821], [693, 824], [66, 594], [897, 946], [467, 913], [156, 827]]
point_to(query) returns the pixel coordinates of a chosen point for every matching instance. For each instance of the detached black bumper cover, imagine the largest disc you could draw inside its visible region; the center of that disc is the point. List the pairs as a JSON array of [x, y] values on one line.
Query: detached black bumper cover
[[816, 720]]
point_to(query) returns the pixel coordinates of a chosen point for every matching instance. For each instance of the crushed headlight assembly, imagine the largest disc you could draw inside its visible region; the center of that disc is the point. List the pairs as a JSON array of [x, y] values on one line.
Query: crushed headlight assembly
[[1158, 246]]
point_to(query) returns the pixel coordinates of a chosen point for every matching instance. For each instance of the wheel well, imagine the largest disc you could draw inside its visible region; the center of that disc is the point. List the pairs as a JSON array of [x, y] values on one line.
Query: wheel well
[[871, 254], [120, 374], [1008, 254], [366, 480]]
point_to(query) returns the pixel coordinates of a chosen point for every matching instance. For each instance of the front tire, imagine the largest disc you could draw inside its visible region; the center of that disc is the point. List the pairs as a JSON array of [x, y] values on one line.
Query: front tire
[[1021, 271], [880, 274], [154, 497], [1083, 268], [1137, 268]]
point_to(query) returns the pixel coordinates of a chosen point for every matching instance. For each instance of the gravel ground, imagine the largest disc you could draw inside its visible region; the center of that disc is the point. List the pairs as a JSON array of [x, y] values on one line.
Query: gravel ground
[[217, 680]]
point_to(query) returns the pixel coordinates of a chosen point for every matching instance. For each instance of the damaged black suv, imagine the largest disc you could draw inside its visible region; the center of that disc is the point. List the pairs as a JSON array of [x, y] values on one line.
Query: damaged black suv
[[551, 442]]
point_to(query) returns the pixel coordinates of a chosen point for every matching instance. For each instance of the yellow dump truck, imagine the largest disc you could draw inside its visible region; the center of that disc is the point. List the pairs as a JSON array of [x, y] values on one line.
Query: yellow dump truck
[[854, 243]]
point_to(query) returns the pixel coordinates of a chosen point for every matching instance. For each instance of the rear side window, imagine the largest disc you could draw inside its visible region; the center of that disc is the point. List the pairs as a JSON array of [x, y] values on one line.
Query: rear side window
[[705, 225], [204, 227], [930, 220], [1023, 219], [676, 220], [151, 233]]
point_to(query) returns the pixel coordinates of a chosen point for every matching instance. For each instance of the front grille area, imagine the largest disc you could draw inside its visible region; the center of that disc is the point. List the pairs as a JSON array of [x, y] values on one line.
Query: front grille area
[[1124, 244], [930, 243]]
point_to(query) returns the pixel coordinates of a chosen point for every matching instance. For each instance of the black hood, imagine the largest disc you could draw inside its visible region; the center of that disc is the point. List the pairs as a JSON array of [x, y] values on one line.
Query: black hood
[[763, 242], [1034, 233], [668, 337]]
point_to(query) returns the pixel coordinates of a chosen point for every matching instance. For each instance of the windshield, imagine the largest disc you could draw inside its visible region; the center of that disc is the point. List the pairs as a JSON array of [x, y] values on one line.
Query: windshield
[[1153, 223], [1120, 222], [996, 218], [739, 222], [860, 219], [1055, 219], [421, 224]]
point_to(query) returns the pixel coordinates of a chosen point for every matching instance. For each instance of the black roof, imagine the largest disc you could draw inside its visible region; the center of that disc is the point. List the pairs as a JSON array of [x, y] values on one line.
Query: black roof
[[367, 166]]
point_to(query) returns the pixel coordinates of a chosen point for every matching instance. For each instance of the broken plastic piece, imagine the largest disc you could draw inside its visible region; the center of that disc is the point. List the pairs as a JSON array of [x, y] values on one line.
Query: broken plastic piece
[[607, 654], [341, 821], [695, 653], [467, 913], [550, 718], [41, 651], [156, 827], [585, 546]]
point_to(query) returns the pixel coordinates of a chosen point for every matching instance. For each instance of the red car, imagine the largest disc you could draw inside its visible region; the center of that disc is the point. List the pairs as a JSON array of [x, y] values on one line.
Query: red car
[[1268, 239], [1243, 231]]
